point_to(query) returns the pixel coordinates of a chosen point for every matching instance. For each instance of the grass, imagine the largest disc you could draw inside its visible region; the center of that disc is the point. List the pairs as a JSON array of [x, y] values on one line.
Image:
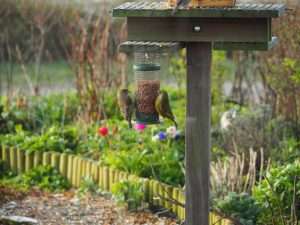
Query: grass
[[58, 76], [55, 73]]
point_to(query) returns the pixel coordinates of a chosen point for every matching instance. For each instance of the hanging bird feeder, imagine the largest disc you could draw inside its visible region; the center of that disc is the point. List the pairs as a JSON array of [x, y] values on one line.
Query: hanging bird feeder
[[147, 76]]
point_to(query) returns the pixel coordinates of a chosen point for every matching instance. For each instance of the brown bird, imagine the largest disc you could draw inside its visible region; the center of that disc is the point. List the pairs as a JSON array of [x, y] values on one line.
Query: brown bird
[[126, 105], [163, 107]]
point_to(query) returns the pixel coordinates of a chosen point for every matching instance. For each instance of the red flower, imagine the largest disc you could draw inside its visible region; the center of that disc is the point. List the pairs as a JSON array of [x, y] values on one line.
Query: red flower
[[103, 131]]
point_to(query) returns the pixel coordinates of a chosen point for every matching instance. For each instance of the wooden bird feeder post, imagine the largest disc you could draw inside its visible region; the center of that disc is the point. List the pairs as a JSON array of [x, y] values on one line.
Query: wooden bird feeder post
[[152, 27]]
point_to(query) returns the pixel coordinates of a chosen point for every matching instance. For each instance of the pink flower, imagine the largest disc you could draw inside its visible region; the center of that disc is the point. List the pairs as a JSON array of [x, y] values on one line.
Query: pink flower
[[171, 130], [103, 131], [140, 127]]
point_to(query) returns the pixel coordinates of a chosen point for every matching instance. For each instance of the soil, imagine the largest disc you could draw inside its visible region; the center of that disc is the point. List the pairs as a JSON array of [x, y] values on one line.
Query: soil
[[67, 208]]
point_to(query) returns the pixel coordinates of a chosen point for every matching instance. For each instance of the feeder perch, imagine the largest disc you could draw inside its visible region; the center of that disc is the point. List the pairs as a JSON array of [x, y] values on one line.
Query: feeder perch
[[147, 75]]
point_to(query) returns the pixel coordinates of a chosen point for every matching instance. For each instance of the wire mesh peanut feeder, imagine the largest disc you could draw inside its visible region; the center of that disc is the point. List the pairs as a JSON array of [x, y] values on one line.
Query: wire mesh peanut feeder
[[147, 75]]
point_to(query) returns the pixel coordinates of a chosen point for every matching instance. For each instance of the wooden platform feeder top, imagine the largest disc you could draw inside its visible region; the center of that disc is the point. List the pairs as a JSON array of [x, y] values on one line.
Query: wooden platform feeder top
[[163, 9], [241, 27]]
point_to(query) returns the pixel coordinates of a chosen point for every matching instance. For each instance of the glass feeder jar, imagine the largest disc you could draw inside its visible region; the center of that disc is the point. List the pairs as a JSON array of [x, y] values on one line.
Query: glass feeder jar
[[147, 75]]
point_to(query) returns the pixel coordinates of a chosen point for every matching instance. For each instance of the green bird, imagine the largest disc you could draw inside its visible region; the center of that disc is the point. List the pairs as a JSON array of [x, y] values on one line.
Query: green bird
[[163, 107], [126, 105]]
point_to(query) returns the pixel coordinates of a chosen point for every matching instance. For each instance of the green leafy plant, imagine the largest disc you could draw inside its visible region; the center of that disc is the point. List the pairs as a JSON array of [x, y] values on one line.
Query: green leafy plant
[[279, 192], [242, 206], [130, 193], [87, 185], [43, 177]]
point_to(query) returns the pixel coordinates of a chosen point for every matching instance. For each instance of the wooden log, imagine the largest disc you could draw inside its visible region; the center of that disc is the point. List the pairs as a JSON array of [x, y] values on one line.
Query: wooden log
[[74, 172], [117, 176], [46, 159], [38, 158], [88, 172], [13, 160], [55, 160], [20, 161], [106, 179], [175, 195], [211, 218], [182, 211], [151, 191], [29, 157], [198, 119], [79, 169], [131, 177], [126, 176], [161, 193], [70, 168], [146, 188], [83, 169], [155, 193], [6, 157], [168, 194], [63, 165], [95, 172], [101, 178], [111, 178]]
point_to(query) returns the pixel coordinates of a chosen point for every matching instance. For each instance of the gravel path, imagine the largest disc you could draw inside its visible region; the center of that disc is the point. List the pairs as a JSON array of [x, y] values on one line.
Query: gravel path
[[66, 208]]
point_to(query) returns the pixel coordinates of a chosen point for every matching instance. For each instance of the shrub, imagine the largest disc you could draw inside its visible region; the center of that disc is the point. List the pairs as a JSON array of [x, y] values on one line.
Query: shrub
[[43, 177], [242, 206], [276, 193], [87, 185], [130, 193]]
